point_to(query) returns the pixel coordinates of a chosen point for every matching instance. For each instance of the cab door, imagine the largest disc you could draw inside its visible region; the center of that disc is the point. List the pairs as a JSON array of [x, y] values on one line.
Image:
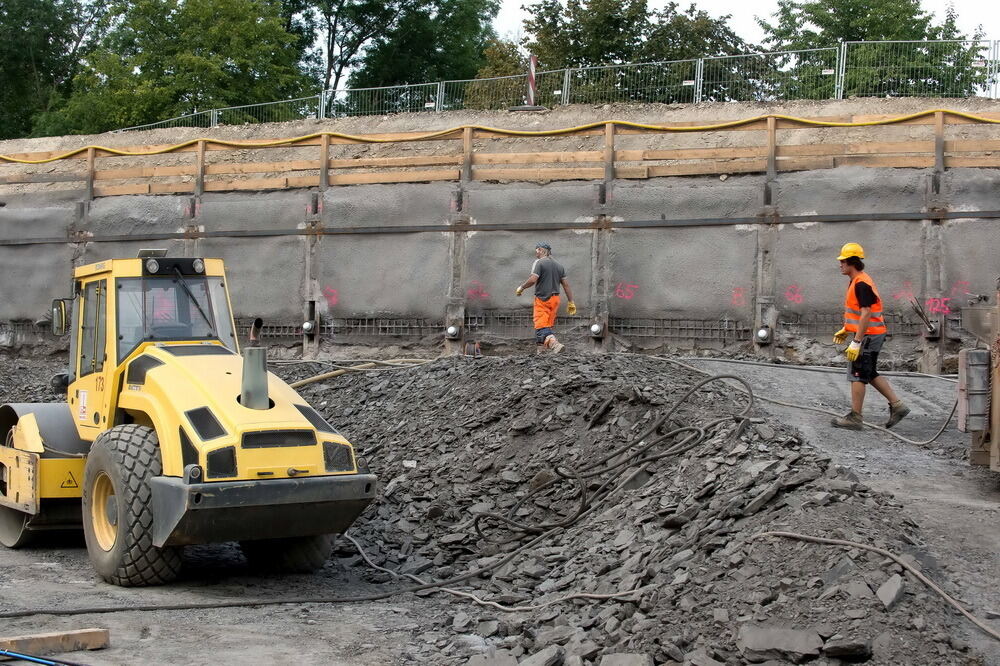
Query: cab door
[[88, 393]]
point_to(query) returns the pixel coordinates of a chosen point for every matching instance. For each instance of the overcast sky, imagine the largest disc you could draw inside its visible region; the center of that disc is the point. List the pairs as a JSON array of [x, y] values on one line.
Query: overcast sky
[[971, 14]]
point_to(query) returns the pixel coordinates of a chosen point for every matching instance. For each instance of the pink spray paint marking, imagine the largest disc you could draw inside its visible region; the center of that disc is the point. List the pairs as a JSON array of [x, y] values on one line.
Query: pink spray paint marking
[[794, 294], [626, 290], [331, 295], [739, 298], [477, 291]]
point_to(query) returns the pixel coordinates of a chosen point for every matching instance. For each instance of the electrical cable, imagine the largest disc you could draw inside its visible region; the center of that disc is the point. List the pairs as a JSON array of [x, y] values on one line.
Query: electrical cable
[[11, 654], [440, 134], [541, 532], [829, 412], [913, 570]]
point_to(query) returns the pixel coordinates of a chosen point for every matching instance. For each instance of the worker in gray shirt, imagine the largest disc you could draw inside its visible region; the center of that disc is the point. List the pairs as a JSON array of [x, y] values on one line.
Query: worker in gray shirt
[[547, 275]]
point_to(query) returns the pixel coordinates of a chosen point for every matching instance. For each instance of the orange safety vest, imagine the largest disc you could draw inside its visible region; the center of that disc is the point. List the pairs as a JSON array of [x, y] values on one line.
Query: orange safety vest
[[852, 309]]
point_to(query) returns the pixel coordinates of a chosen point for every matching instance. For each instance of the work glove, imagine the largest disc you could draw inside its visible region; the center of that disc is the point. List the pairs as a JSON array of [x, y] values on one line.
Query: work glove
[[571, 308], [853, 351], [518, 291], [840, 337]]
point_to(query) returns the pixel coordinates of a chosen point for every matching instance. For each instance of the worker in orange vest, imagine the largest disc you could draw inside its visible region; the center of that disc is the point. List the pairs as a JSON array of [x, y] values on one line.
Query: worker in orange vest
[[863, 319], [547, 275]]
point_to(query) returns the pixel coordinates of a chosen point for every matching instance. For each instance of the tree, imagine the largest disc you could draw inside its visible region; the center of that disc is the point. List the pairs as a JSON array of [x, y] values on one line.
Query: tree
[[41, 42], [880, 68], [584, 35], [170, 57], [504, 65]]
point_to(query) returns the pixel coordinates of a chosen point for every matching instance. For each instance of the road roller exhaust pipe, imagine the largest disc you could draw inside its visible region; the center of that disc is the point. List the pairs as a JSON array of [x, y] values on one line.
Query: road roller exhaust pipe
[[254, 391]]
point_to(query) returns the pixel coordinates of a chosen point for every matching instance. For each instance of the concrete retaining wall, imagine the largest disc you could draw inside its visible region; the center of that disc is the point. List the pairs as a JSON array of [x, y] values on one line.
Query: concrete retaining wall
[[624, 264]]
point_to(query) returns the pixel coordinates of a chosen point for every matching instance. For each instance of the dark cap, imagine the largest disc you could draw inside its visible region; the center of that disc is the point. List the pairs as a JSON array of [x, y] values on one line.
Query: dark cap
[[544, 245]]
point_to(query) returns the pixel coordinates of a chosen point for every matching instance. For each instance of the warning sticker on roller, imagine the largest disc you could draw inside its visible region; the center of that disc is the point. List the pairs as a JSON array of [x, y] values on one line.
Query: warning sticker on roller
[[82, 413], [70, 481]]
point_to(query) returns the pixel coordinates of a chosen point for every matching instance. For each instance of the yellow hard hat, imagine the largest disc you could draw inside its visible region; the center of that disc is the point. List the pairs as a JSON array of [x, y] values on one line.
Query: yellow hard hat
[[851, 250]]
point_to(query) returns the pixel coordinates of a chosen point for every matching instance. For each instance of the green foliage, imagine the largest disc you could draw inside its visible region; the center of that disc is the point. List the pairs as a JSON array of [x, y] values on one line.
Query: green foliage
[[166, 57], [501, 58], [40, 44], [880, 69]]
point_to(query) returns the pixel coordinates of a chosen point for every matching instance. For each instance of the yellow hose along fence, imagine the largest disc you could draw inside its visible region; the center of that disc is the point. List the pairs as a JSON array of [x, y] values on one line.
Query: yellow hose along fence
[[617, 150]]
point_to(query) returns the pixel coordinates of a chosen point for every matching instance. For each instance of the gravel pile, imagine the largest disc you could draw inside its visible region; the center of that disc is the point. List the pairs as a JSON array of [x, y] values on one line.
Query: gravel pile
[[478, 458]]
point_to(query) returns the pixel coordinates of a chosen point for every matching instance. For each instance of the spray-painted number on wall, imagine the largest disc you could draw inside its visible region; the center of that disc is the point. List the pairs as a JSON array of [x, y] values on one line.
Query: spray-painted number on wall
[[794, 294], [331, 295], [739, 298], [626, 290], [938, 305], [477, 291]]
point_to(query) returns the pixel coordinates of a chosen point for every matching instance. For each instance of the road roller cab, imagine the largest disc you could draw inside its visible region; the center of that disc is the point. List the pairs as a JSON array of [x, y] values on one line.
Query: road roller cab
[[170, 436]]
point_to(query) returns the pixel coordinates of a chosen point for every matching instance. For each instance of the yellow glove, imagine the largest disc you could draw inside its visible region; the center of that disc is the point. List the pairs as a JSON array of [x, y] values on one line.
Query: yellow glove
[[853, 351], [840, 337], [518, 291], [571, 308]]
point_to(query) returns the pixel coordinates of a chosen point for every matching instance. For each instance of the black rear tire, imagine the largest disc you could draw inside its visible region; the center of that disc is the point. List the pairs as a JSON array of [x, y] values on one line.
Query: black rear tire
[[128, 456], [289, 555]]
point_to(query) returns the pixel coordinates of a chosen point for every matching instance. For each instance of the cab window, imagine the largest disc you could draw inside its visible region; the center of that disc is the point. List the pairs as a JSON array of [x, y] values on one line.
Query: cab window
[[94, 334]]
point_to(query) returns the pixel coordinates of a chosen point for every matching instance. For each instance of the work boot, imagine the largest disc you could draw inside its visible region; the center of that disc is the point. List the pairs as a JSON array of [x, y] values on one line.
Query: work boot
[[897, 410], [851, 421], [540, 349], [552, 343]]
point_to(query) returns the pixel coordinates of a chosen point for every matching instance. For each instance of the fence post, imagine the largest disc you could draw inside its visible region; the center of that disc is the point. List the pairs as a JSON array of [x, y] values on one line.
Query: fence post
[[838, 86], [699, 78], [567, 78], [321, 111], [996, 69], [439, 101], [213, 118]]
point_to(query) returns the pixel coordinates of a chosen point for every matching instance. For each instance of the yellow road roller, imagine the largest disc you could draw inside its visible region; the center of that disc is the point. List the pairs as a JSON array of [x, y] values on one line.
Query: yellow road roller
[[170, 436]]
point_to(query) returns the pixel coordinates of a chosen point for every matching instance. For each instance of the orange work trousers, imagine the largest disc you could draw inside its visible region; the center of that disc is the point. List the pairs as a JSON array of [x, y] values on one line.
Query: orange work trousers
[[545, 312]]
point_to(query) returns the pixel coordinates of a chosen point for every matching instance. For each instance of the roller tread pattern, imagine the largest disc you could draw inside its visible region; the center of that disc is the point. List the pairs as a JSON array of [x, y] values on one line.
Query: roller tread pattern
[[289, 555], [135, 451]]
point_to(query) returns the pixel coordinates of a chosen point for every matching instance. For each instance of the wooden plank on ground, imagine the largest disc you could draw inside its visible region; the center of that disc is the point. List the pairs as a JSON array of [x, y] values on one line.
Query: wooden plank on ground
[[58, 641], [303, 181], [971, 145], [539, 158], [394, 177], [632, 172], [805, 163], [116, 190], [581, 173]]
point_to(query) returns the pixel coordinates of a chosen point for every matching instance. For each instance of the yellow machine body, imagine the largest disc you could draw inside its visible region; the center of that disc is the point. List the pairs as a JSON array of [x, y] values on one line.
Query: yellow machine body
[[153, 343]]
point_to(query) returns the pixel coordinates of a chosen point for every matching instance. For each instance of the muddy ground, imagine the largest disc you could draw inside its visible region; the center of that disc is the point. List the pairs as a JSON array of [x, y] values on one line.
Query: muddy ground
[[955, 508]]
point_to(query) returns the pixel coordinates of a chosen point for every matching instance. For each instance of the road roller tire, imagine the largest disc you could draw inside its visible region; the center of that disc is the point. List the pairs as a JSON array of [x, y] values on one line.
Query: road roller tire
[[289, 555], [14, 531], [117, 509]]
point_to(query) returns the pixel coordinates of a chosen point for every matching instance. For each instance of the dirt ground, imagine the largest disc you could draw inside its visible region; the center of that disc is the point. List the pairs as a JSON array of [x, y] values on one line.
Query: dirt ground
[[956, 508]]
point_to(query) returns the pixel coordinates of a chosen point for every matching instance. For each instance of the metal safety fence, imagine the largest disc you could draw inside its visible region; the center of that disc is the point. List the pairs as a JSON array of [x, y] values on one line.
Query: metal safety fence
[[949, 68]]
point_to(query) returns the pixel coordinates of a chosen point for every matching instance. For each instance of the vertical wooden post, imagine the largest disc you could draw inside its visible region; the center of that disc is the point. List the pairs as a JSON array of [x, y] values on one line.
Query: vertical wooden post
[[938, 142], [609, 154], [91, 161], [772, 148], [467, 137], [199, 182], [324, 163]]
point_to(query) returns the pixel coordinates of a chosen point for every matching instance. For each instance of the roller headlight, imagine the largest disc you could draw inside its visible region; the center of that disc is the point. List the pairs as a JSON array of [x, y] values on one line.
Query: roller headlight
[[152, 265]]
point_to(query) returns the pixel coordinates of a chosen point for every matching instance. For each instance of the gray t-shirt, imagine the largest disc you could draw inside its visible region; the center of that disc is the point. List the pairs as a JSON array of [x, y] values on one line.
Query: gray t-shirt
[[549, 272]]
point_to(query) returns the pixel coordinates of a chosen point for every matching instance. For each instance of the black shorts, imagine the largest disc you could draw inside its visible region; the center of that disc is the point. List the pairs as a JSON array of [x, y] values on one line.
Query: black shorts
[[865, 369]]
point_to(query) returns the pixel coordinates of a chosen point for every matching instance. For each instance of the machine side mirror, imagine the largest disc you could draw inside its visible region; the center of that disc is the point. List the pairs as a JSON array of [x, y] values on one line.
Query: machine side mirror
[[59, 318]]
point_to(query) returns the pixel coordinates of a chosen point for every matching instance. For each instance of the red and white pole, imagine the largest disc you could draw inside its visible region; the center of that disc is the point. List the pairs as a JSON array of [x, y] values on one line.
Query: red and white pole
[[532, 64]]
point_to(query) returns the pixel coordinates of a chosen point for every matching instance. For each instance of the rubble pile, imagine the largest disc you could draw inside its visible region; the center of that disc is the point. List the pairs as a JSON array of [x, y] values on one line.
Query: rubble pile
[[458, 442]]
